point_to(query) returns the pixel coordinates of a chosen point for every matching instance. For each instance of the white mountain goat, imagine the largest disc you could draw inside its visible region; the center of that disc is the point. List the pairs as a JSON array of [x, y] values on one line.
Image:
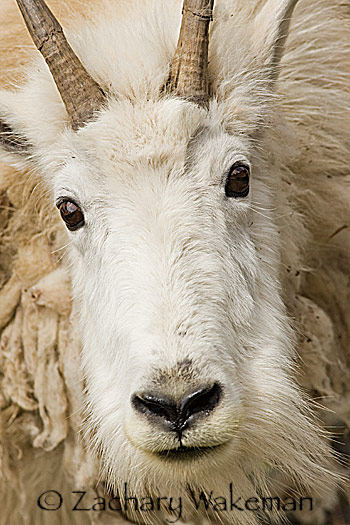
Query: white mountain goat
[[200, 176]]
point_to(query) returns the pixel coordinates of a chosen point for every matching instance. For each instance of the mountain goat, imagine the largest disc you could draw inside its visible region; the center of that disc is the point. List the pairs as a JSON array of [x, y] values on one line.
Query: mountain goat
[[198, 156]]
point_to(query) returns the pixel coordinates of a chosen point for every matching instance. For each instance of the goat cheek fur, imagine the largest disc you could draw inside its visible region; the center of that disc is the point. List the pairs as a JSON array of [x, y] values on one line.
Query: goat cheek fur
[[218, 317]]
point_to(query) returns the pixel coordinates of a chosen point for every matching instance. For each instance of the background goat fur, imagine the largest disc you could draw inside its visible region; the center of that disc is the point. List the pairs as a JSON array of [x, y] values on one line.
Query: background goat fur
[[307, 149]]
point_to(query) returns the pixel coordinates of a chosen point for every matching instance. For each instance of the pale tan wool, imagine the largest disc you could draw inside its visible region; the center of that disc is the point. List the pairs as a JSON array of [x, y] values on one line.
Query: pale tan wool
[[43, 441]]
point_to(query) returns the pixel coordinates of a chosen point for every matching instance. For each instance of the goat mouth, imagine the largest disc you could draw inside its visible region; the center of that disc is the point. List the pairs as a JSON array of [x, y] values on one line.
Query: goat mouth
[[185, 453]]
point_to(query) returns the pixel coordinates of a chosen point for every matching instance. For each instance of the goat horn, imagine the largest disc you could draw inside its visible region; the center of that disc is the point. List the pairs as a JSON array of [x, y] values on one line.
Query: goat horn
[[189, 69], [81, 95]]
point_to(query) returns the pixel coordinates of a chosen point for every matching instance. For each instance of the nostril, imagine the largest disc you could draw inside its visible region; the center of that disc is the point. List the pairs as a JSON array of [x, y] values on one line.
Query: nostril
[[203, 400], [177, 416], [155, 406]]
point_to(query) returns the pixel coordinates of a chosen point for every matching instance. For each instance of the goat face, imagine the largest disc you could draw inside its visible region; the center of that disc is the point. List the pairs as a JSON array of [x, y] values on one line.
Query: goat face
[[185, 346], [166, 271]]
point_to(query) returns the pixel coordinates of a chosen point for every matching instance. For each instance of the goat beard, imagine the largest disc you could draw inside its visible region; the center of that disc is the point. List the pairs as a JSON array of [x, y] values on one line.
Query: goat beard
[[272, 456]]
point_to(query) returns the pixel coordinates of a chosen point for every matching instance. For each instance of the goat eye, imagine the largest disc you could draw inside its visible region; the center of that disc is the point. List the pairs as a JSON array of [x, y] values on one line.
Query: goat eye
[[237, 182], [71, 214]]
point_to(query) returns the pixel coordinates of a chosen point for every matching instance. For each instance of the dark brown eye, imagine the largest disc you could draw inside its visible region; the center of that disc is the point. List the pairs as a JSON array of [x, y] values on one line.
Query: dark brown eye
[[71, 214], [237, 182]]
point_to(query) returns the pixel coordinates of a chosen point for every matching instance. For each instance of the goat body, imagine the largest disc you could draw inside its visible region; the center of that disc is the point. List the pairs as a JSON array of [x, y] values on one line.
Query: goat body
[[194, 304]]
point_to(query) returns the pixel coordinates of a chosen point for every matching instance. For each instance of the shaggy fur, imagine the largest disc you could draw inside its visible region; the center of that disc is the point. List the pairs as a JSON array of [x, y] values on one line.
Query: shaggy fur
[[173, 284]]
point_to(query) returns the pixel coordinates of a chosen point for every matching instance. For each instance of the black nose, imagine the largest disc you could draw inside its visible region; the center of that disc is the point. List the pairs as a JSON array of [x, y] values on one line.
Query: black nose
[[178, 416]]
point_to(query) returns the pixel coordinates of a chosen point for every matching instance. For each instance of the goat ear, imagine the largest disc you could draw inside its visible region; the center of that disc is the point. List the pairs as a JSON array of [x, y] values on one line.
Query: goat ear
[[271, 27], [11, 141], [15, 148]]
